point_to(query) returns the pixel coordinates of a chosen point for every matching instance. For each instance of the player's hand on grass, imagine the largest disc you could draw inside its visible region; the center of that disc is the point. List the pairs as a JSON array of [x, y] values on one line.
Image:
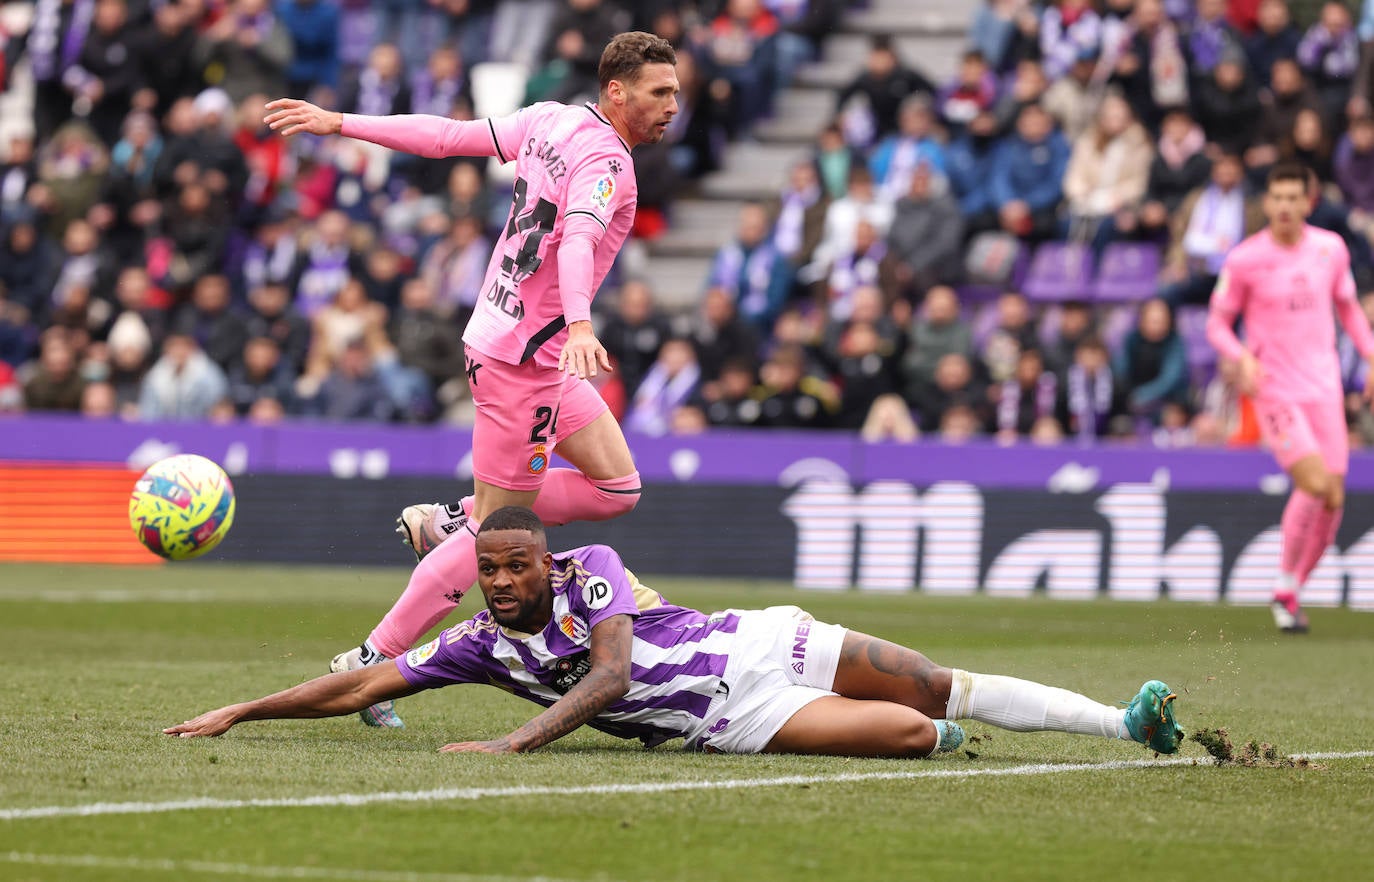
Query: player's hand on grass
[[498, 746], [583, 352], [207, 725], [291, 116]]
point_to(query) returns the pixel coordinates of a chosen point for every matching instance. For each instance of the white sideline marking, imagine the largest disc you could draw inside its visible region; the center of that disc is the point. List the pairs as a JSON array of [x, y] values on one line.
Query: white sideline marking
[[446, 794], [154, 865]]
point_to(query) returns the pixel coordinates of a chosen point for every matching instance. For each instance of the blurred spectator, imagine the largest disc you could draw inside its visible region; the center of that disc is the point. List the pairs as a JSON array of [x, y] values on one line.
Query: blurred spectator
[[427, 340], [184, 384], [860, 203], [246, 51], [1012, 333], [1231, 412], [437, 88], [1028, 85], [105, 77], [53, 46], [798, 214], [994, 27], [1210, 39], [669, 384], [1069, 31], [1330, 54], [347, 318], [864, 364], [455, 268], [18, 335], [938, 331], [18, 174], [260, 372], [1209, 223], [953, 385], [869, 265], [1089, 400], [219, 331], [128, 206], [194, 235], [380, 88], [1107, 174], [969, 163], [98, 401], [314, 29], [1288, 93], [927, 229], [792, 398], [136, 296], [54, 383], [197, 147], [1029, 395], [721, 335], [1308, 143], [1227, 105], [960, 423], [272, 316], [1179, 167], [580, 30], [1354, 173], [351, 390], [914, 145], [1175, 428], [1072, 324], [1072, 99], [130, 347], [269, 257], [71, 169], [973, 91], [82, 266], [697, 134], [634, 333], [520, 28], [325, 265], [1152, 364], [883, 85], [1027, 176], [1149, 67], [166, 56], [729, 400], [835, 161], [741, 48], [26, 266], [752, 271], [265, 155], [1276, 38]]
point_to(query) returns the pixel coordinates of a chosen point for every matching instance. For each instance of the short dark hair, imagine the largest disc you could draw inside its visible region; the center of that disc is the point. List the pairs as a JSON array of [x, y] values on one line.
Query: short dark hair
[[628, 52], [1287, 171], [513, 517]]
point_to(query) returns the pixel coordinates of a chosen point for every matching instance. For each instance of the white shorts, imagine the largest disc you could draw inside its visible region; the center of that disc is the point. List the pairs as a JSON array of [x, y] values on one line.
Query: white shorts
[[781, 661]]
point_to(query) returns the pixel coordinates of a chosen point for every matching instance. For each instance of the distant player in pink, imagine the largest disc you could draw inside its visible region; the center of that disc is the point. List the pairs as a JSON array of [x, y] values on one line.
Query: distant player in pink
[[529, 345], [1285, 282]]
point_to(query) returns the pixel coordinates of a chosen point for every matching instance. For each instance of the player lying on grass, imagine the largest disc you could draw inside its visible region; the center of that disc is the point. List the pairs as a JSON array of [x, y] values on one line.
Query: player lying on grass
[[578, 633]]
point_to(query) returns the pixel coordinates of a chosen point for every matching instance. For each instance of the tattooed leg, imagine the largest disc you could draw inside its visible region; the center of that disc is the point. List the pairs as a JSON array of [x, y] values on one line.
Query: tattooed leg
[[870, 668]]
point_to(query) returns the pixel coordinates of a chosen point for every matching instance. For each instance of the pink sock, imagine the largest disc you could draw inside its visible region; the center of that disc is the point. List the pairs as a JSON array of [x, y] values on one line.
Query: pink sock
[[1299, 525], [436, 585], [1328, 522]]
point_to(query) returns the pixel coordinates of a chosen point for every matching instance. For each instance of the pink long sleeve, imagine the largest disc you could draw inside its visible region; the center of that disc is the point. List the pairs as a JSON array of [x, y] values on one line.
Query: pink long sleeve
[[577, 266], [1356, 325], [425, 135]]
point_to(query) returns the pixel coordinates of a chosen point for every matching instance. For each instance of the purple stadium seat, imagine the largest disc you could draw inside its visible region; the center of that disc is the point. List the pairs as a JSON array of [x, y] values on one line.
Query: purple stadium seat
[[1115, 324], [1059, 271], [1128, 272]]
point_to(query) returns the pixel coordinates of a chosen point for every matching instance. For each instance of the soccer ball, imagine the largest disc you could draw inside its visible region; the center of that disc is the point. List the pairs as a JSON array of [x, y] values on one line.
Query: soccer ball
[[182, 506]]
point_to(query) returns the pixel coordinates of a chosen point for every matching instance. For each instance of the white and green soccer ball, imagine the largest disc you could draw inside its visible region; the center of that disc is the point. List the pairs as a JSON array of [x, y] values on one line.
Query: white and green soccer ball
[[182, 506]]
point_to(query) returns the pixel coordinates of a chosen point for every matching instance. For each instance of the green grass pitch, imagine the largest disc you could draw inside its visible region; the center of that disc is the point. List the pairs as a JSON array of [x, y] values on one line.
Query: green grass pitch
[[97, 660]]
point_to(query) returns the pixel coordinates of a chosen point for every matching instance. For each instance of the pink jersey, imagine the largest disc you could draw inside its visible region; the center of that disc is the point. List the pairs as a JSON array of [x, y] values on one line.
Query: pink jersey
[[1288, 298], [574, 204]]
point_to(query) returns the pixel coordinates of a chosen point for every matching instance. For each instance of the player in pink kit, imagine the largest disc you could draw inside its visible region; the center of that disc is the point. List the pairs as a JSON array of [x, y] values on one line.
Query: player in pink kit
[[529, 345], [1285, 282]]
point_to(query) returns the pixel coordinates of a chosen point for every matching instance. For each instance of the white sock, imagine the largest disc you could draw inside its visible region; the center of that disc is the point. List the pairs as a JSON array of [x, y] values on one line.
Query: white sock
[[1023, 706], [370, 655]]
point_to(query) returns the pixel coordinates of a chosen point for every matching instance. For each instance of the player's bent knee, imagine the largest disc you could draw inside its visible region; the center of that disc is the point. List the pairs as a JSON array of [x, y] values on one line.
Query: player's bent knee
[[618, 496]]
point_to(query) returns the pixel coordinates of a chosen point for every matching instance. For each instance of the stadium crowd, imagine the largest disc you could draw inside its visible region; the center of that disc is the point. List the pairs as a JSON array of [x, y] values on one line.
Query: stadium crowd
[[164, 256]]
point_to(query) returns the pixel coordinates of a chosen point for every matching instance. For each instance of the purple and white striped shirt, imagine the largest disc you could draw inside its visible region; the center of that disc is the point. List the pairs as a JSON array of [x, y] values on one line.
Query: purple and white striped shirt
[[677, 657]]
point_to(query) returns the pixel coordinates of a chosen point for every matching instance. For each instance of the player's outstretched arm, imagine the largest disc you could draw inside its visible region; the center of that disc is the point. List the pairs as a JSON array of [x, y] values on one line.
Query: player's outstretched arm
[[605, 683], [291, 116], [329, 696]]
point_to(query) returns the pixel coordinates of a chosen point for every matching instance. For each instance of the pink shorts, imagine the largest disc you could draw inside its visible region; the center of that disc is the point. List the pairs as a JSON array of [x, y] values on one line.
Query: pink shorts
[[1296, 429], [522, 410]]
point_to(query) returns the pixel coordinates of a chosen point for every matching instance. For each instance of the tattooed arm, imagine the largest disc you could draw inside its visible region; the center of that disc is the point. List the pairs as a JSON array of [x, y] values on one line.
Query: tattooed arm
[[605, 683]]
